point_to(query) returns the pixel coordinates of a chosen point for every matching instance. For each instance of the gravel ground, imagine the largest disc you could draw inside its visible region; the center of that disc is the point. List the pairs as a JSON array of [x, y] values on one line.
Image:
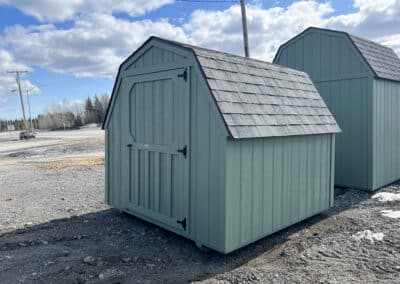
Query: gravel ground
[[30, 195], [54, 227]]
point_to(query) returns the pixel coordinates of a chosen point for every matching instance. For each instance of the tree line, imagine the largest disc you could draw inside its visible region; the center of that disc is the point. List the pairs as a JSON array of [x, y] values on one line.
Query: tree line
[[66, 115]]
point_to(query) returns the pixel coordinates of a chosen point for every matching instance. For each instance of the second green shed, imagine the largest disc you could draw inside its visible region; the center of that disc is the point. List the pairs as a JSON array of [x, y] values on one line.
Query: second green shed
[[360, 82], [221, 149]]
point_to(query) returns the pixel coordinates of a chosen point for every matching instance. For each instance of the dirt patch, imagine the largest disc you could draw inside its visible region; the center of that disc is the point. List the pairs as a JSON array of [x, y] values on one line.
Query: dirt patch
[[86, 161]]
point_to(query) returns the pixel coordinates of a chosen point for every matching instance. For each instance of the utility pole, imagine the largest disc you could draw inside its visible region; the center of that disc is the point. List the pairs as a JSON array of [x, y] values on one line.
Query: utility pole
[[17, 77], [244, 24], [29, 106]]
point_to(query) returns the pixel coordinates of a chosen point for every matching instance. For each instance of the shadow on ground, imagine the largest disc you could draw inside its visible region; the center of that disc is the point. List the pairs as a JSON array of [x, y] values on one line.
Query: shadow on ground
[[114, 247]]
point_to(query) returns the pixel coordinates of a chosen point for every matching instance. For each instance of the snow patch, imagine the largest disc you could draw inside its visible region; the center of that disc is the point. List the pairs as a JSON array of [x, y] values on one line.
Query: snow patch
[[387, 196], [368, 235], [391, 214]]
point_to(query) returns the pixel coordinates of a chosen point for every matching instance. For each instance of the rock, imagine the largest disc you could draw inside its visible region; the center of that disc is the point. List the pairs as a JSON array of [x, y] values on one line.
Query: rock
[[283, 254], [64, 253], [22, 244], [44, 242], [150, 264], [89, 260], [125, 259], [100, 263], [8, 199], [101, 276], [67, 268]]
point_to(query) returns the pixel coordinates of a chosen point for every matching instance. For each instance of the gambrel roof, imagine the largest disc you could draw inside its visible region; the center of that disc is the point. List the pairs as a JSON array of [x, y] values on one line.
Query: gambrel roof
[[382, 60], [260, 99]]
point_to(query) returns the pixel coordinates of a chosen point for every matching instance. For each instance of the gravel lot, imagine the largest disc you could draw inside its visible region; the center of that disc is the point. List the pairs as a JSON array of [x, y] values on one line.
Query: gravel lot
[[54, 227]]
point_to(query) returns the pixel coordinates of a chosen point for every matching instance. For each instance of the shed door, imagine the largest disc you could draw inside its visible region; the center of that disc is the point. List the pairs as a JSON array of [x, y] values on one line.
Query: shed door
[[159, 146]]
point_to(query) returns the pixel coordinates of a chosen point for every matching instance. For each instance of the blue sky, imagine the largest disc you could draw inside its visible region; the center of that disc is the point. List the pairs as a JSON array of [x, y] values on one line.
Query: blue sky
[[73, 49]]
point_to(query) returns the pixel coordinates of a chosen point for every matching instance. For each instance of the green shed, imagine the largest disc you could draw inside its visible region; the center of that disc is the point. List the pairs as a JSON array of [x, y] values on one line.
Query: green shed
[[218, 148], [360, 82]]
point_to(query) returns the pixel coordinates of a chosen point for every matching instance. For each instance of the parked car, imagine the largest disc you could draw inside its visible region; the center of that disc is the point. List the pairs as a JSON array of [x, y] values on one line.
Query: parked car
[[26, 135]]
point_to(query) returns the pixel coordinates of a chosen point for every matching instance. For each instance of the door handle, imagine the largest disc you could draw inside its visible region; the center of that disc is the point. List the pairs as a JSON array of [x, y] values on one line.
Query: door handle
[[183, 151], [129, 145]]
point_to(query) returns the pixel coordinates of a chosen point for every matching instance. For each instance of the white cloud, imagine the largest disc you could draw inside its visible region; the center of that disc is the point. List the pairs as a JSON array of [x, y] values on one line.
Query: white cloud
[[96, 43], [55, 10], [268, 28], [374, 19], [7, 81], [393, 41], [94, 46], [378, 20]]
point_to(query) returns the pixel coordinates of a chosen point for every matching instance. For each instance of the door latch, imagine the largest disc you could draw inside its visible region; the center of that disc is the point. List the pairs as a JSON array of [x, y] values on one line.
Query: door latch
[[183, 151], [183, 75], [182, 223]]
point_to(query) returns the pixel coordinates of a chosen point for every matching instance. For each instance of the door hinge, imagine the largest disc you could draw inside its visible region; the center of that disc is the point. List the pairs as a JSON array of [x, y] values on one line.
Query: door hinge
[[183, 75], [182, 223], [183, 151]]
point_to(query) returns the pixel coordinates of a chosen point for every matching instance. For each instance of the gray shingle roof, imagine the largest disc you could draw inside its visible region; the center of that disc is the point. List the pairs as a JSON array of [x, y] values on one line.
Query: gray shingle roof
[[383, 60], [260, 99]]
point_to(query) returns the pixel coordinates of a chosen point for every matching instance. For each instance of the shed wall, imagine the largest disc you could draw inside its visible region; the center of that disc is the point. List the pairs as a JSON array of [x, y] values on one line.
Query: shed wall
[[275, 182], [208, 158], [345, 83], [207, 149], [113, 162], [386, 134]]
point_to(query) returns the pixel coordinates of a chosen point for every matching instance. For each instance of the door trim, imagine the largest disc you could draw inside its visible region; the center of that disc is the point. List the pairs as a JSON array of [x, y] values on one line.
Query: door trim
[[132, 207]]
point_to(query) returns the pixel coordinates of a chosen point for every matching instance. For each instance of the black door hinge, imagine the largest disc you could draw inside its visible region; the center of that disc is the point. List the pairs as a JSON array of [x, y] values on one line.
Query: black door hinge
[[183, 151], [182, 223], [183, 75]]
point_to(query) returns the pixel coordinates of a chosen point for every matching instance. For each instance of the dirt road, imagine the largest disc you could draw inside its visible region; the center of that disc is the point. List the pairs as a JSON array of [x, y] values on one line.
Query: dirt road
[[54, 227]]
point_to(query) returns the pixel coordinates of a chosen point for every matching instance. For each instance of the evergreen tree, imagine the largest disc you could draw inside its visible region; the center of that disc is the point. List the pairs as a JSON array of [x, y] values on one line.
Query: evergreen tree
[[98, 110], [89, 111]]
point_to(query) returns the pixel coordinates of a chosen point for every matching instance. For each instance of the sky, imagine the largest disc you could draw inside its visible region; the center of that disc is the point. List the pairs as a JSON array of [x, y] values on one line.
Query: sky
[[72, 49]]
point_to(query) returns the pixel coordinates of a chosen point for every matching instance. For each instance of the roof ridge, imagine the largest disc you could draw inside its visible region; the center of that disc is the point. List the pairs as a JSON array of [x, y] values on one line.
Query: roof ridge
[[191, 46], [350, 35], [382, 60]]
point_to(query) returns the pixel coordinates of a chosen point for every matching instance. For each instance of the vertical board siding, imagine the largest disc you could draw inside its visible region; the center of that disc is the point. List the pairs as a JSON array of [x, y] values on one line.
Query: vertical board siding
[[207, 152], [349, 101], [343, 79], [113, 164], [155, 56], [272, 183], [386, 132]]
